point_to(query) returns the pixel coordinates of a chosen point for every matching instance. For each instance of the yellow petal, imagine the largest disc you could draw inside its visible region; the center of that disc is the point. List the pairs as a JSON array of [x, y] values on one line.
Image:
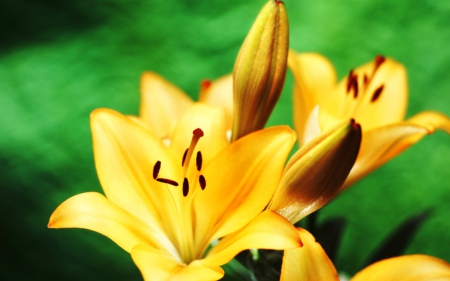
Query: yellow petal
[[125, 154], [431, 120], [220, 93], [260, 70], [267, 231], [158, 265], [406, 268], [382, 144], [316, 172], [212, 122], [94, 212], [380, 101], [240, 182], [315, 78], [309, 263], [162, 103]]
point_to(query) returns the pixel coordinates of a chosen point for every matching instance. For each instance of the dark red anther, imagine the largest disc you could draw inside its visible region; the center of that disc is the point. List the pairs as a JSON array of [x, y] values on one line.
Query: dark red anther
[[379, 59], [377, 93], [199, 161], [355, 86], [156, 169], [168, 181], [366, 80], [349, 81], [185, 187], [198, 132], [184, 157], [202, 182]]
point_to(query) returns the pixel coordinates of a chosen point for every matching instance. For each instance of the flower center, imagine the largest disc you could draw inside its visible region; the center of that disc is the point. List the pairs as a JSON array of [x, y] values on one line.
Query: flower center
[[359, 86], [186, 160]]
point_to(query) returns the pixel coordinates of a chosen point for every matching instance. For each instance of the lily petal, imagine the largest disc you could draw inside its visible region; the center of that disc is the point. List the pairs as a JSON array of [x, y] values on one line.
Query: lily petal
[[162, 103], [220, 93], [316, 172], [315, 78], [248, 170], [125, 163], [309, 262], [158, 265], [212, 122], [267, 231], [382, 144], [406, 268], [94, 212], [381, 94], [432, 120]]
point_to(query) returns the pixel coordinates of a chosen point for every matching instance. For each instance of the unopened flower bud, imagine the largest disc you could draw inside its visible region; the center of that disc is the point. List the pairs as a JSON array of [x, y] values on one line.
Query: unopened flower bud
[[260, 69]]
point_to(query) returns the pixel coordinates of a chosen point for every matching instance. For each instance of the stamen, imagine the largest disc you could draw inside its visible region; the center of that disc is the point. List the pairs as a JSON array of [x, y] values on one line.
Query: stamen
[[199, 161], [185, 187], [184, 157], [379, 59], [156, 169], [168, 181], [377, 93], [202, 182], [366, 80], [355, 86], [349, 81]]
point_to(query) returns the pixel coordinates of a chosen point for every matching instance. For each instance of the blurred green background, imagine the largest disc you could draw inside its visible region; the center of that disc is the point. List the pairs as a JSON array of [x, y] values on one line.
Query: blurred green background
[[59, 60]]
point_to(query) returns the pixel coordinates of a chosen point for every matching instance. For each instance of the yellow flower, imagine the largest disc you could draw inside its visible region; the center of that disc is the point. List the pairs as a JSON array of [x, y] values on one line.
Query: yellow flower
[[163, 104], [374, 94], [310, 262], [167, 204]]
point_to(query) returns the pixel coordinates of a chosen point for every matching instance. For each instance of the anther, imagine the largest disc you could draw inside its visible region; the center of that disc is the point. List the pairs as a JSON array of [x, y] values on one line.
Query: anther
[[184, 157], [185, 187], [366, 80], [202, 182], [199, 161], [379, 59], [349, 81], [168, 181], [156, 169], [377, 93], [355, 86]]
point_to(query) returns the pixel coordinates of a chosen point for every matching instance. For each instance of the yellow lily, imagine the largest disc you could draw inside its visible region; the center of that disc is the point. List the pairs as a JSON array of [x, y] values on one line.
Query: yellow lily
[[374, 94], [167, 204], [163, 104], [311, 263]]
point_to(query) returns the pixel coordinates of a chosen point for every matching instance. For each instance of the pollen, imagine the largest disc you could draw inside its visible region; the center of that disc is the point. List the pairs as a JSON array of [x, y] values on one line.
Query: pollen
[[377, 93], [199, 161], [156, 169], [168, 181], [379, 60], [185, 187], [202, 182]]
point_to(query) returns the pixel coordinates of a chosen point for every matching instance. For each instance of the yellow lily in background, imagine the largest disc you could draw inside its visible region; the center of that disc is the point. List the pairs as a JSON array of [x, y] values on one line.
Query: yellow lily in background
[[375, 95], [163, 104], [311, 263], [166, 205]]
